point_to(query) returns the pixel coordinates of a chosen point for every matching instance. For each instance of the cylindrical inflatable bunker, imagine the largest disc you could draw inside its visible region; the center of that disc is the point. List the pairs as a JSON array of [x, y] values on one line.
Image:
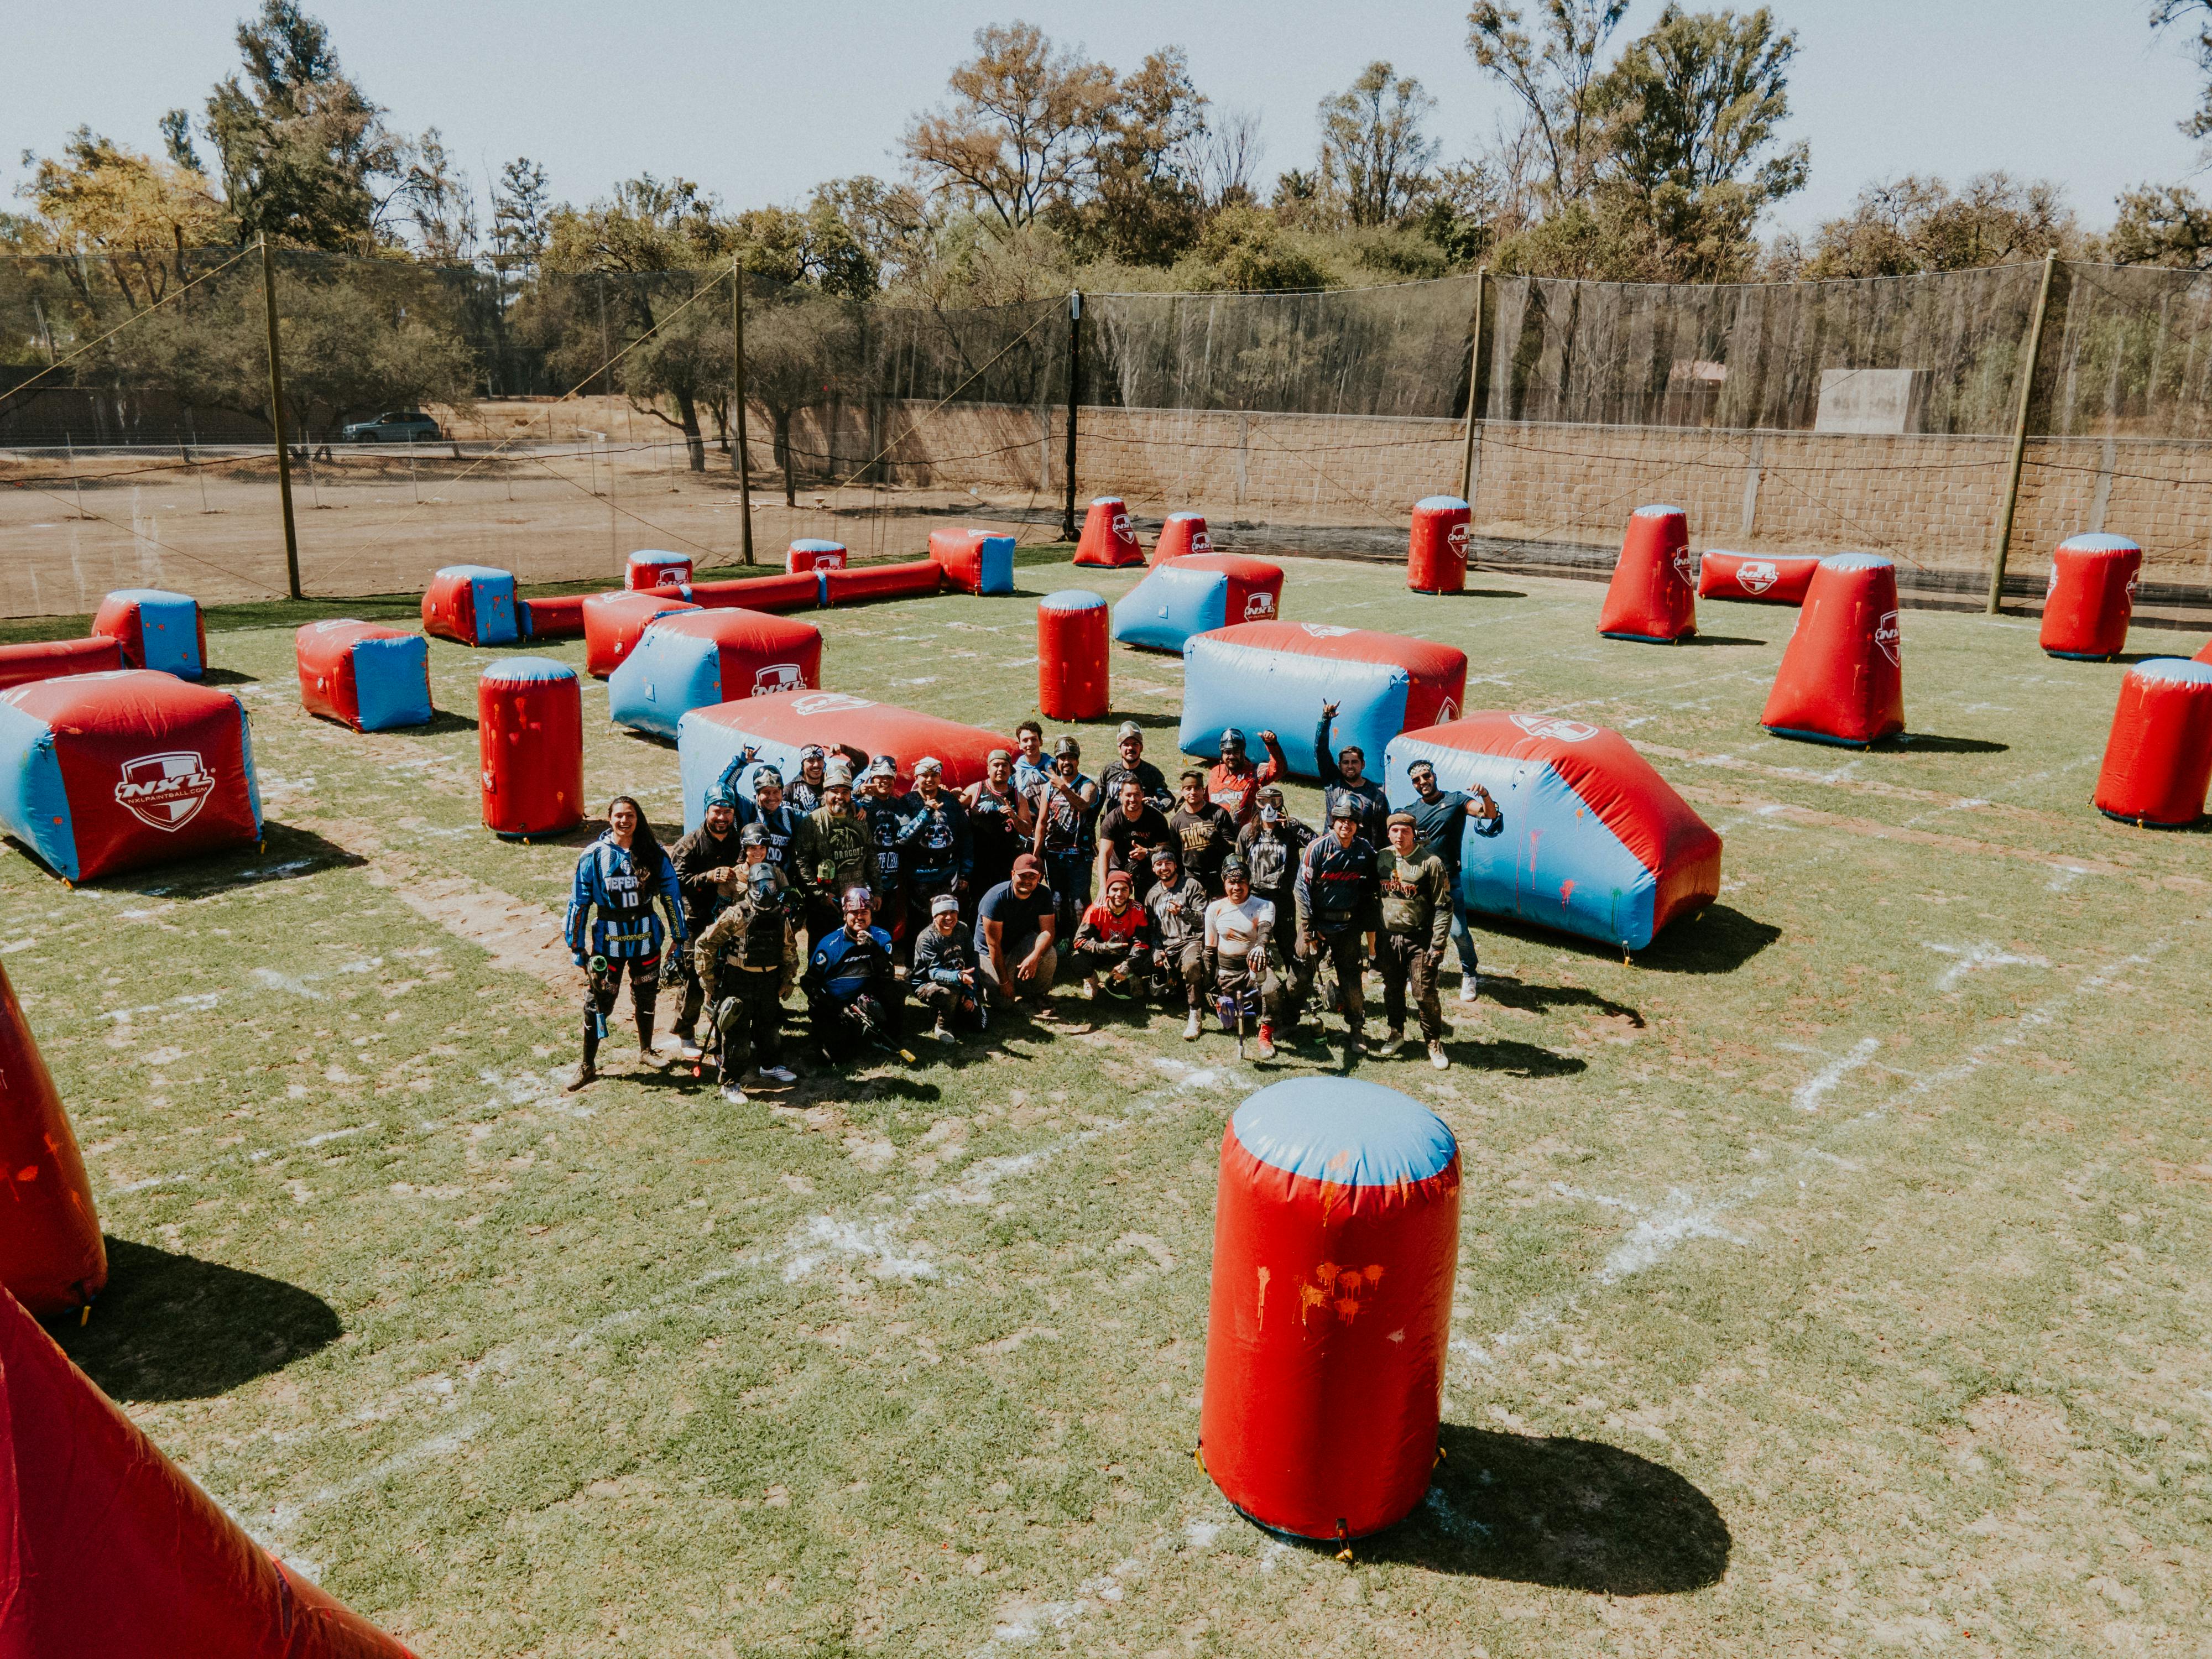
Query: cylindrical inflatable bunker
[[614, 623], [2159, 756], [472, 605], [1436, 550], [1592, 840], [813, 553], [1276, 676], [155, 630], [649, 568], [1182, 535], [558, 618], [50, 660], [113, 1553], [1842, 679], [800, 590], [1335, 1243], [974, 561], [530, 742], [1072, 653], [1197, 594], [1747, 576], [696, 657], [780, 725], [106, 772], [374, 678], [52, 1256], [911, 579], [2092, 595], [1653, 595], [1107, 538]]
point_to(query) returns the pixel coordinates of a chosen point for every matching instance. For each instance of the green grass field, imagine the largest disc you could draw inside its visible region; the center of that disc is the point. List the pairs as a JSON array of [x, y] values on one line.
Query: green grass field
[[1833, 1277]]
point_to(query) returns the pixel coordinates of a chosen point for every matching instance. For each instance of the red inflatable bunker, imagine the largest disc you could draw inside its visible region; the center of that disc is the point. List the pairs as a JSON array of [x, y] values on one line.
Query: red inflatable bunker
[[913, 579], [1107, 538], [472, 605], [1182, 535], [811, 553], [613, 623], [801, 590], [1652, 596], [530, 744], [1335, 1242], [1748, 576], [52, 1256], [100, 773], [649, 568], [2159, 758], [1073, 650], [374, 678], [1842, 679], [558, 618], [974, 561], [1435, 549], [49, 659], [2092, 595], [110, 1551]]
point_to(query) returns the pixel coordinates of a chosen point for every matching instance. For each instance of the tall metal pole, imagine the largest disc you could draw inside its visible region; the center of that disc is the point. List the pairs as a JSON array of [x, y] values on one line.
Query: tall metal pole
[[277, 419], [738, 395], [2020, 433], [1074, 380], [1474, 389]]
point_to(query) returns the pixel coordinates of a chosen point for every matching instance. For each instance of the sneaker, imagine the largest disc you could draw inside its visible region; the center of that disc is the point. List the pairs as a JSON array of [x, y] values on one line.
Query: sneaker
[[1190, 1027], [734, 1094], [652, 1057], [1470, 987], [1436, 1057], [1391, 1042], [778, 1075], [1264, 1048], [943, 1033], [690, 1051], [586, 1075]]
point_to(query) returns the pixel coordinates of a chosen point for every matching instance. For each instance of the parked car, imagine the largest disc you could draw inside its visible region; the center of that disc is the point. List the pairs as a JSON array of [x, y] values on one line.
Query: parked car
[[409, 426]]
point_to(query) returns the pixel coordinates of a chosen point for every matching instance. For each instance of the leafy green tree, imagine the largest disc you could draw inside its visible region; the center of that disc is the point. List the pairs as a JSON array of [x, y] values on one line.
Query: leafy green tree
[[2161, 225], [1374, 157], [802, 350], [1244, 249], [1023, 133], [1550, 74], [1914, 224], [1147, 199]]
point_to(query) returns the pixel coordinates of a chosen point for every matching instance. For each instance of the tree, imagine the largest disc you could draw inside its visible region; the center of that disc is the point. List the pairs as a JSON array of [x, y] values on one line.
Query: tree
[[1024, 130], [518, 219], [800, 352], [890, 223], [1373, 152], [2161, 225], [1914, 224], [2191, 15], [1242, 249], [136, 214], [1550, 78], [439, 201], [1148, 198]]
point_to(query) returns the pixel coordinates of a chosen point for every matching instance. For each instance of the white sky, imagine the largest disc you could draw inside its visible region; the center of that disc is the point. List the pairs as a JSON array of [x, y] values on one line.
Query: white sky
[[758, 101]]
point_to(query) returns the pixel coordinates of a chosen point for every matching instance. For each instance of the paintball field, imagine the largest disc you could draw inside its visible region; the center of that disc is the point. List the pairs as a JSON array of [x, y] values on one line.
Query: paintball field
[[1834, 1277]]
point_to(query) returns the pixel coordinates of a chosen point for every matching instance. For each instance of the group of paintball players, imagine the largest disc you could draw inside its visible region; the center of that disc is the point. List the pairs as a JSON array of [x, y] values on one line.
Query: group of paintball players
[[1210, 896]]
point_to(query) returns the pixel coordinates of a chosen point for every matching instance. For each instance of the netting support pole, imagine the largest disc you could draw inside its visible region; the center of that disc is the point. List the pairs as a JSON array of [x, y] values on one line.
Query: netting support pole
[[737, 396], [1074, 382], [2020, 433], [277, 421], [1470, 448]]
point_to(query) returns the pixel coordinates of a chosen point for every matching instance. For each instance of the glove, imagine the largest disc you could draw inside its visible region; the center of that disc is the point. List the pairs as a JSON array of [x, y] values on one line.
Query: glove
[[671, 969]]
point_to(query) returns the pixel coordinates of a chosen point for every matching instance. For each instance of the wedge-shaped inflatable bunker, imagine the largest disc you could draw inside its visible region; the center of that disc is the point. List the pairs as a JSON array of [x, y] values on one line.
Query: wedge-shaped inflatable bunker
[[812, 553], [910, 579], [1197, 594], [560, 617], [155, 630], [52, 1256], [1748, 576], [530, 746], [1842, 679], [1335, 1242], [798, 590], [1653, 596], [49, 659], [974, 561], [649, 568], [106, 772], [1107, 538], [1594, 842], [696, 657], [614, 623], [2091, 598], [1436, 546], [781, 725], [1275, 676], [108, 1551], [2159, 756], [473, 604], [374, 678], [1182, 535]]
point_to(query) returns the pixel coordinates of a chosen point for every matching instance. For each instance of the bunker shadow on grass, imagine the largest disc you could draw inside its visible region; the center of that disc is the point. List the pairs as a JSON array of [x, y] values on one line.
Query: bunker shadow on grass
[[1717, 940]]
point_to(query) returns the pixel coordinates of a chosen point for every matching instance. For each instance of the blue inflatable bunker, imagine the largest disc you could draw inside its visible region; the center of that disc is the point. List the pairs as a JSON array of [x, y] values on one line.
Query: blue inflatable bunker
[[696, 657], [1197, 594], [1593, 840], [155, 629]]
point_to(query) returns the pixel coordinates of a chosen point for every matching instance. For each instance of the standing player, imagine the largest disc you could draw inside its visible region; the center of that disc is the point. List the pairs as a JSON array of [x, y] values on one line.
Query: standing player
[[1416, 923], [1067, 831], [746, 963], [613, 931], [706, 863], [1336, 895], [1000, 825], [1234, 781], [806, 791], [1344, 780], [1177, 902], [1437, 816], [1204, 830], [1130, 762], [933, 842]]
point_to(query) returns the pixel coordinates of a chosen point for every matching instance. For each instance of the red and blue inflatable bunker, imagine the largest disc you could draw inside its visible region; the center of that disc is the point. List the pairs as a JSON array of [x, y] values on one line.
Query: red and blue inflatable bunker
[[49, 659], [1593, 841], [1335, 1243], [1436, 548], [1653, 595], [372, 678], [1072, 653], [106, 772], [974, 561], [779, 725], [1842, 679], [1748, 576], [614, 623], [1275, 676], [155, 629], [52, 1256], [560, 617], [649, 568], [909, 579], [696, 657], [2159, 758], [530, 744], [472, 605], [1181, 536], [1197, 594], [812, 553], [2092, 597], [113, 1553], [1107, 538]]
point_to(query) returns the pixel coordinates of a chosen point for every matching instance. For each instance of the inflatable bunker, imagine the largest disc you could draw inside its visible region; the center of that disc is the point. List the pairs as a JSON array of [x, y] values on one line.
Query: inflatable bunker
[[113, 1552], [155, 630], [782, 723], [2091, 597], [473, 604], [1107, 538], [800, 590], [530, 746], [1197, 593], [1594, 841], [2158, 756], [558, 618], [52, 1256], [1653, 594], [649, 568], [372, 677], [106, 772], [49, 659], [696, 657], [812, 553], [913, 579], [1182, 535], [614, 623], [974, 561], [1276, 675], [1747, 576]]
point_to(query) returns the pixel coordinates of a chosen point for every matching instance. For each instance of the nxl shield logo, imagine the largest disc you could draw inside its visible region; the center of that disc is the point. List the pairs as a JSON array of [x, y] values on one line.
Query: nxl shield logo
[[829, 703], [1757, 575], [166, 791], [1886, 636], [1553, 725], [1259, 606], [777, 677]]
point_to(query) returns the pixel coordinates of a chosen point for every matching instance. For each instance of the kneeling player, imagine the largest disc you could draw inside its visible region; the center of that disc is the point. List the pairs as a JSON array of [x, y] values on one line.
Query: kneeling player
[[1114, 941], [853, 993], [946, 977]]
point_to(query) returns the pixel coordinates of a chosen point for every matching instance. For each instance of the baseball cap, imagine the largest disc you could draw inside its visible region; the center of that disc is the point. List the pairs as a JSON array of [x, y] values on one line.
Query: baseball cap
[[1397, 819], [1028, 863], [944, 902], [998, 755], [1130, 729], [721, 795], [1065, 744]]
